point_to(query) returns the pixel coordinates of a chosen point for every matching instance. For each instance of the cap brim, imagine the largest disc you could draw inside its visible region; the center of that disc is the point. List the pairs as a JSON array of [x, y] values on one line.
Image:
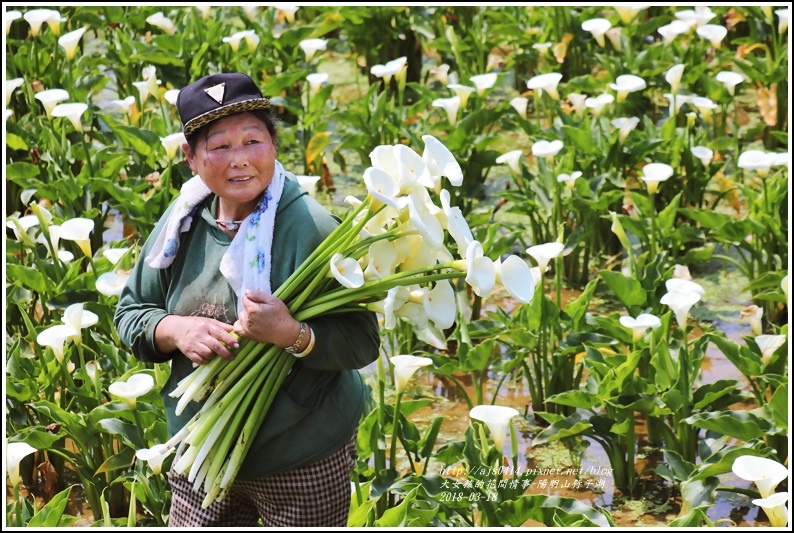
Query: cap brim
[[237, 107]]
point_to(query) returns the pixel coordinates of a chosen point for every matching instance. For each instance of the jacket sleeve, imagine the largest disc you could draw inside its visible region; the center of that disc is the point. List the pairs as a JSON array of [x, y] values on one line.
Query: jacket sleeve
[[142, 304]]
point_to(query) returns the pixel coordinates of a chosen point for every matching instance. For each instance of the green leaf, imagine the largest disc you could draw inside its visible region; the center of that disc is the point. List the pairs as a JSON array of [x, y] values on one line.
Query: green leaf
[[627, 289], [51, 515], [738, 424], [568, 427], [694, 518], [15, 142], [123, 459], [30, 278]]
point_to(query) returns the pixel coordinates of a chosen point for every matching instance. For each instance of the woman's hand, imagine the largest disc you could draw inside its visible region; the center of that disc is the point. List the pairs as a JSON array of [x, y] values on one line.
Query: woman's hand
[[198, 338], [266, 319]]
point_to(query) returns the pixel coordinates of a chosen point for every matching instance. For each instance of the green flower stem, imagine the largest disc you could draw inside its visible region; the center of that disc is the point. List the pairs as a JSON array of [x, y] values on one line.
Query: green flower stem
[[652, 236], [138, 425], [394, 433], [20, 503]]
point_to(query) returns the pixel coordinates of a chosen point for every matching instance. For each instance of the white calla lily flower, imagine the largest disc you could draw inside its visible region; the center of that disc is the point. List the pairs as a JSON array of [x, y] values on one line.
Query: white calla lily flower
[[11, 85], [480, 270], [50, 98], [515, 276], [150, 84], [112, 283], [569, 179], [519, 103], [695, 17], [288, 11], [73, 112], [155, 456], [676, 284], [546, 82], [457, 226], [753, 315], [765, 473], [703, 153], [714, 33], [756, 160], [547, 149], [15, 452], [543, 253], [382, 260], [308, 184], [136, 386], [172, 143], [347, 271], [640, 324], [161, 21], [55, 337], [626, 126], [730, 80], [597, 27], [37, 17], [79, 230], [439, 161], [597, 104], [625, 84], [680, 303], [775, 508], [404, 368], [673, 77], [423, 219], [768, 344], [655, 173], [627, 12], [78, 318], [670, 31], [440, 306], [316, 81], [312, 46], [497, 418], [483, 82], [782, 20], [512, 159], [451, 106], [69, 42]]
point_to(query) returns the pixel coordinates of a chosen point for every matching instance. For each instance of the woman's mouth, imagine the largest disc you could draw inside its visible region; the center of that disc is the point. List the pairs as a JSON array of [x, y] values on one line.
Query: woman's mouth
[[241, 179]]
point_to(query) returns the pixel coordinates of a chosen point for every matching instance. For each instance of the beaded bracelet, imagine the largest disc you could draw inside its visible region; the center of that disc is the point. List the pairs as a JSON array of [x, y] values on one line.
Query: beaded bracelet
[[309, 347], [299, 340]]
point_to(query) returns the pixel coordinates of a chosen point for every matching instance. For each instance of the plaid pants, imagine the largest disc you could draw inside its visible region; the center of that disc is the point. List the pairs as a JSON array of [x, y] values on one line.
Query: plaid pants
[[316, 495]]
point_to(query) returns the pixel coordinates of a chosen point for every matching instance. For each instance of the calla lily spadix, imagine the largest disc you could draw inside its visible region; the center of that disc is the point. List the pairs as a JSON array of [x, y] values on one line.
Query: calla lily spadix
[[768, 344], [569, 179], [543, 253], [55, 337], [512, 159], [155, 456], [73, 112], [347, 271], [136, 386], [519, 103], [654, 173], [625, 84], [483, 82], [497, 418], [640, 324], [308, 184], [714, 33], [730, 80], [312, 46], [440, 162], [172, 143], [775, 508], [404, 368], [15, 452], [703, 153], [515, 276], [673, 77], [546, 82], [597, 27], [450, 105], [765, 473], [79, 230]]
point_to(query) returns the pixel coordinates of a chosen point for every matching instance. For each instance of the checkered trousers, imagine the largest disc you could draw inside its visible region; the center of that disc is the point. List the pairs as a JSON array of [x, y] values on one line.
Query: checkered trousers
[[316, 495]]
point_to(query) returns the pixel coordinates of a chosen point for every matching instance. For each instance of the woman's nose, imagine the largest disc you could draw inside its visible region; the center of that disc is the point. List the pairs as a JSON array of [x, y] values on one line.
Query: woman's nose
[[238, 157]]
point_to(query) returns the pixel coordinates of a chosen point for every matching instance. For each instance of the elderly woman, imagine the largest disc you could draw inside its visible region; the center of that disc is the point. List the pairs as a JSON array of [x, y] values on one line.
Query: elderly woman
[[236, 232]]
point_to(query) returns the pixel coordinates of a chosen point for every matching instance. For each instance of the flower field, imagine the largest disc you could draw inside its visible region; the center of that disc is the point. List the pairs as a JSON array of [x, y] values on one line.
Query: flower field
[[532, 199]]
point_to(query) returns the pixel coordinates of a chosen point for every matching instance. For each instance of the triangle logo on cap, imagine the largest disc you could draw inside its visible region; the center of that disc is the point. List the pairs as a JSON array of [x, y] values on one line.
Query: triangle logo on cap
[[216, 92]]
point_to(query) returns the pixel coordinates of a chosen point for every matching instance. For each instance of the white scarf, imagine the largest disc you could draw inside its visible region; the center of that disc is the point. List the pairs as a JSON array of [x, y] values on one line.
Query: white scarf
[[246, 263]]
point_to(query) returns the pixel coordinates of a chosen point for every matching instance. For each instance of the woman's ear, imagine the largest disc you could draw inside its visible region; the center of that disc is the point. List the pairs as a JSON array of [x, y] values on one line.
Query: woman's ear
[[189, 154]]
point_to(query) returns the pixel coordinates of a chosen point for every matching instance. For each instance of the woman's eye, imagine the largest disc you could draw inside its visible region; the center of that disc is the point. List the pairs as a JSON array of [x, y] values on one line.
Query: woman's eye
[[252, 141], [219, 147]]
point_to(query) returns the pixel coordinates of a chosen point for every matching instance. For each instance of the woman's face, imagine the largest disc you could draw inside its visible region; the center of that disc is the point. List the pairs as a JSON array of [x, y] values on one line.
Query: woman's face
[[235, 159]]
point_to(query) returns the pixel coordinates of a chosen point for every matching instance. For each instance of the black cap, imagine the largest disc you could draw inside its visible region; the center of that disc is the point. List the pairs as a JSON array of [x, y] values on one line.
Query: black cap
[[217, 96]]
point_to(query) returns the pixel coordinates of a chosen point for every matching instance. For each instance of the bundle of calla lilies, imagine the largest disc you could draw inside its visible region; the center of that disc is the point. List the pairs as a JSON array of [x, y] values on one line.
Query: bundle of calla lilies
[[387, 255]]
